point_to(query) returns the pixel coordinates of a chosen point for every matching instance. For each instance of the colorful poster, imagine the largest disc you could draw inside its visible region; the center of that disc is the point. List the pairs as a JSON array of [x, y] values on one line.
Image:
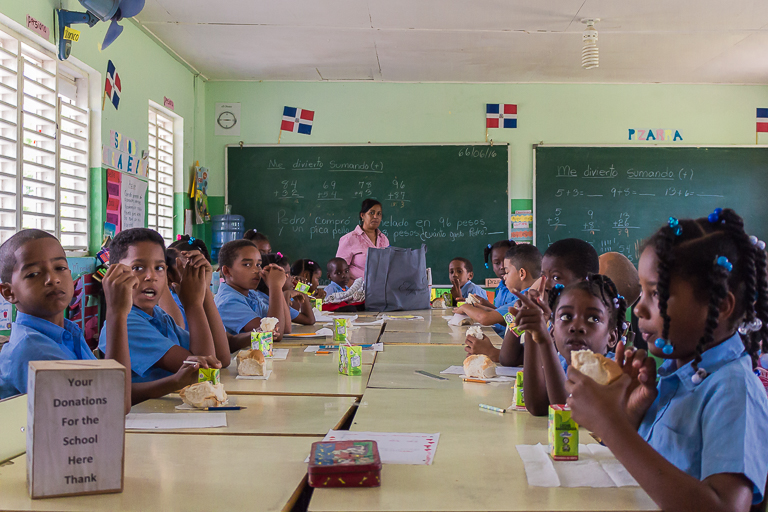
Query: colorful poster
[[113, 199], [6, 309], [133, 193], [122, 154]]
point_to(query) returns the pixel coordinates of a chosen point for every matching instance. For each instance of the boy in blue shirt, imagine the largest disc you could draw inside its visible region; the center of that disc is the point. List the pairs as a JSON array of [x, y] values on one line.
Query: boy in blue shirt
[[36, 279], [159, 347], [237, 300], [338, 273], [461, 272]]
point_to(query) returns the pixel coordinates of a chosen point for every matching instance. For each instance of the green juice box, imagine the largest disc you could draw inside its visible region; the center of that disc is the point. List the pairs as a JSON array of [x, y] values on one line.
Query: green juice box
[[262, 341], [563, 434], [302, 287], [317, 303], [509, 318], [210, 374], [519, 401], [350, 360], [340, 329]]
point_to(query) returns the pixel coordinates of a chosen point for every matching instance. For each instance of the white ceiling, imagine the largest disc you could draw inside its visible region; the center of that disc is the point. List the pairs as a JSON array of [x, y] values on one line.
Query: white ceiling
[[645, 41]]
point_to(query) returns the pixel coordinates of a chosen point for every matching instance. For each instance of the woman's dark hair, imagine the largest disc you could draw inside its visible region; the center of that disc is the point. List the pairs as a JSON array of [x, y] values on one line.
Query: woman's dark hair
[[690, 249], [604, 289], [501, 244], [255, 236], [188, 243], [367, 205], [305, 265]]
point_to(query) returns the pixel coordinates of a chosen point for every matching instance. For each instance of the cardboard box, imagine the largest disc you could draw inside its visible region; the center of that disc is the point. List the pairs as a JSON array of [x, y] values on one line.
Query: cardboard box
[[262, 341], [350, 360], [209, 374], [563, 433], [340, 329], [519, 397]]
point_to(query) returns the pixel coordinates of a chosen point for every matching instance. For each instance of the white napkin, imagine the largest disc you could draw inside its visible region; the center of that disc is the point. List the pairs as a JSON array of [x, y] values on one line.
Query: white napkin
[[596, 467], [255, 377], [324, 332], [457, 318], [498, 378]]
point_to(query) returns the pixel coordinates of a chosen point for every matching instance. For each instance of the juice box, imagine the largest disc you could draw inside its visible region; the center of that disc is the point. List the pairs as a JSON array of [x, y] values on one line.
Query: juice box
[[350, 360], [563, 434], [211, 374], [340, 329], [302, 287], [519, 400], [317, 303], [460, 303], [509, 318], [262, 341]]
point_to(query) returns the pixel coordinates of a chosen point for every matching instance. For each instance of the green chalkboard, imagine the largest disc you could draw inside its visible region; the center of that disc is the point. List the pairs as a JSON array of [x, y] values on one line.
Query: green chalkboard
[[451, 197], [614, 197]]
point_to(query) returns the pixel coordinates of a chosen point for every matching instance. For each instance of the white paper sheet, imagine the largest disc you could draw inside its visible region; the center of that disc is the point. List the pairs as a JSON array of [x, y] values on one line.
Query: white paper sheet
[[394, 447], [596, 467], [457, 318], [375, 347], [279, 354], [413, 318], [491, 379], [502, 371], [255, 377], [166, 421]]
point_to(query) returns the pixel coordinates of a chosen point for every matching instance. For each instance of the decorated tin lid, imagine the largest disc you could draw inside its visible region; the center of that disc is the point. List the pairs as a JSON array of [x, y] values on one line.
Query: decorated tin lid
[[344, 457]]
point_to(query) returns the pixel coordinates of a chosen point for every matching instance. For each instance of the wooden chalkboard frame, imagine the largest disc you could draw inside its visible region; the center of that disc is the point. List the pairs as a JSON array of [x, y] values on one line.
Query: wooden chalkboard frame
[[633, 146], [504, 145]]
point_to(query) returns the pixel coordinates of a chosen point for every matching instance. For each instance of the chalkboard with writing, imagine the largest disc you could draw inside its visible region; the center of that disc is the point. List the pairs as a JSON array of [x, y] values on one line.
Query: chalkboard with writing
[[304, 198], [614, 197]]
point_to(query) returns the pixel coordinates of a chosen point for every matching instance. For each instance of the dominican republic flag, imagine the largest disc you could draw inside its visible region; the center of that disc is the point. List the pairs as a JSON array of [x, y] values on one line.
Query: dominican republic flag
[[297, 120], [112, 87], [501, 115], [762, 120]]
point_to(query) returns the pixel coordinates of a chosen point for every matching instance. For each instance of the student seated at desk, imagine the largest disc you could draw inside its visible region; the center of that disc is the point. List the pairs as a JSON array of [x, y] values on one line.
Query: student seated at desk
[[309, 272], [338, 273], [158, 346], [239, 305], [37, 280], [496, 253], [260, 240], [522, 265], [694, 441], [460, 272], [299, 306]]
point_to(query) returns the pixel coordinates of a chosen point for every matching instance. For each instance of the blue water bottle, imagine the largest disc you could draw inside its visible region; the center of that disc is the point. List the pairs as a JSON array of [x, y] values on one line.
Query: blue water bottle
[[226, 228]]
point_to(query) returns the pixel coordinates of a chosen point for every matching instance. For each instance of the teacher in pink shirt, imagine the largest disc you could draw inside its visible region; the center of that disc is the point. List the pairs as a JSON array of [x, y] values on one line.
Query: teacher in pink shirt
[[353, 246]]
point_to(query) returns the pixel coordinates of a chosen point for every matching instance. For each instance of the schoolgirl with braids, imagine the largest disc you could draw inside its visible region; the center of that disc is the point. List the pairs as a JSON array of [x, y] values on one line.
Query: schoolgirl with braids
[[695, 441], [495, 253], [587, 314]]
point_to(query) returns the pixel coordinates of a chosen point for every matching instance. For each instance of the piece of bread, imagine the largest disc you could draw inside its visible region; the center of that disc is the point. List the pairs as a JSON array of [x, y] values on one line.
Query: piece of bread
[[438, 303], [473, 299], [204, 394], [598, 367], [465, 321], [251, 362], [475, 331], [268, 324], [479, 366]]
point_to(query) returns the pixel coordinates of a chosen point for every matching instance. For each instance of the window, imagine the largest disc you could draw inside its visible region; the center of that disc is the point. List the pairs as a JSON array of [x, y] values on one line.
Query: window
[[43, 145], [160, 173]]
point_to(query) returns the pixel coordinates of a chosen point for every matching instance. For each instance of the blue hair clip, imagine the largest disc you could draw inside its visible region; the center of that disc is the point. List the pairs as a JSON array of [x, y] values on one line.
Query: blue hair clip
[[722, 261], [664, 345], [489, 246], [191, 240], [675, 225], [715, 215], [486, 265], [558, 286]]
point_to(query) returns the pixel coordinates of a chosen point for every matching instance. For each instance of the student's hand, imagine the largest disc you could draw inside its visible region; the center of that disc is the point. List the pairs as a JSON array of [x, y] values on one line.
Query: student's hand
[[480, 346], [462, 309], [594, 406], [531, 317], [191, 290], [196, 259], [642, 391], [118, 285], [298, 296], [274, 276], [456, 289], [187, 375], [537, 290], [484, 302], [319, 294]]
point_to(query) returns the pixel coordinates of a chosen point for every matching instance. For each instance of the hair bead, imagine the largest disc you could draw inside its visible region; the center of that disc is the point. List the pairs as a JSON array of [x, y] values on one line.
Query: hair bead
[[722, 261]]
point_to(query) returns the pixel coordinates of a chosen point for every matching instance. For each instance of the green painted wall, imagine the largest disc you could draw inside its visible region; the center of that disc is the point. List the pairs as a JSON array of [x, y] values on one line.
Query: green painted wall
[[147, 72]]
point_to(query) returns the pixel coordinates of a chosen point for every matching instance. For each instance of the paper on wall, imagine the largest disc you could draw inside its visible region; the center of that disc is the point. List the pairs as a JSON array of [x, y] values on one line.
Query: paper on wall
[[133, 193]]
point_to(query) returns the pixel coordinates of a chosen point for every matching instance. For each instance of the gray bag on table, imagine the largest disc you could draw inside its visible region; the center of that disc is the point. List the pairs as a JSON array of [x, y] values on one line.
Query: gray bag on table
[[396, 279]]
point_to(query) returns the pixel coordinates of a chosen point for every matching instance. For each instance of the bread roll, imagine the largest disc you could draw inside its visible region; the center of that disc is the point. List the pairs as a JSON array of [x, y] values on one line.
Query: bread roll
[[438, 303], [479, 366], [268, 324], [465, 321], [598, 367], [204, 394], [473, 299], [251, 362], [475, 331]]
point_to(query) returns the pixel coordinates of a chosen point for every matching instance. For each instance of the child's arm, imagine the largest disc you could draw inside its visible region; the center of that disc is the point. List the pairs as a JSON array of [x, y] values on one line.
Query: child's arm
[[599, 409], [480, 315], [118, 285], [481, 346], [185, 376], [192, 295], [274, 276], [169, 305], [306, 316], [239, 341], [456, 291], [484, 302], [511, 353]]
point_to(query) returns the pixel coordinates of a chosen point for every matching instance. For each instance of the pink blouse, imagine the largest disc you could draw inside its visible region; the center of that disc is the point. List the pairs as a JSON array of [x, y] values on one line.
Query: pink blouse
[[353, 247]]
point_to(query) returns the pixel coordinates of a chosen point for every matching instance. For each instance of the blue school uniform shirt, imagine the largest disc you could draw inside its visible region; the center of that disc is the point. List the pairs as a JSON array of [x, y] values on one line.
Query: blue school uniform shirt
[[503, 310], [149, 338], [35, 339], [236, 309], [503, 295], [264, 302], [177, 300], [715, 426], [470, 287], [334, 288]]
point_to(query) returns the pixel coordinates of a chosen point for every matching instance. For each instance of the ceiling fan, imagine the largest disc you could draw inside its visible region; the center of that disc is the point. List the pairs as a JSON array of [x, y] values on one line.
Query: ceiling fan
[[96, 10]]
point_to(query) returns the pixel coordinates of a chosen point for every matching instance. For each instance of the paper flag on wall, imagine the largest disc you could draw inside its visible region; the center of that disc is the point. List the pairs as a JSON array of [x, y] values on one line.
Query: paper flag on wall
[[762, 120], [297, 120], [500, 115], [112, 86]]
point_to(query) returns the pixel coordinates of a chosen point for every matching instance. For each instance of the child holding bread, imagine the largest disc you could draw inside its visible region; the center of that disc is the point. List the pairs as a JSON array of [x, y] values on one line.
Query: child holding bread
[[586, 315], [695, 440]]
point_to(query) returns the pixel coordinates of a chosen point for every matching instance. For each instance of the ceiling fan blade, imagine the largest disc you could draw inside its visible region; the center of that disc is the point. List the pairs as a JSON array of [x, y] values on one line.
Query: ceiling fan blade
[[114, 30], [130, 8]]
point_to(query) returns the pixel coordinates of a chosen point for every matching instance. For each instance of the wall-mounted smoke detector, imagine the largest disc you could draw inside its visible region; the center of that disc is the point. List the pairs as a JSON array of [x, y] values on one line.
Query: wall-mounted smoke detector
[[589, 56]]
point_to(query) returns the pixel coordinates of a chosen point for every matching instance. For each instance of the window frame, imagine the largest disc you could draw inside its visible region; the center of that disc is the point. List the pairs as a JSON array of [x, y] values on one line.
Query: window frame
[[177, 167]]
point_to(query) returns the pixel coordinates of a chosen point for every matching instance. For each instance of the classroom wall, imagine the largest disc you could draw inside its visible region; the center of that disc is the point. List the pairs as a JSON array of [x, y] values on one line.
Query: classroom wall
[[147, 72], [363, 112]]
